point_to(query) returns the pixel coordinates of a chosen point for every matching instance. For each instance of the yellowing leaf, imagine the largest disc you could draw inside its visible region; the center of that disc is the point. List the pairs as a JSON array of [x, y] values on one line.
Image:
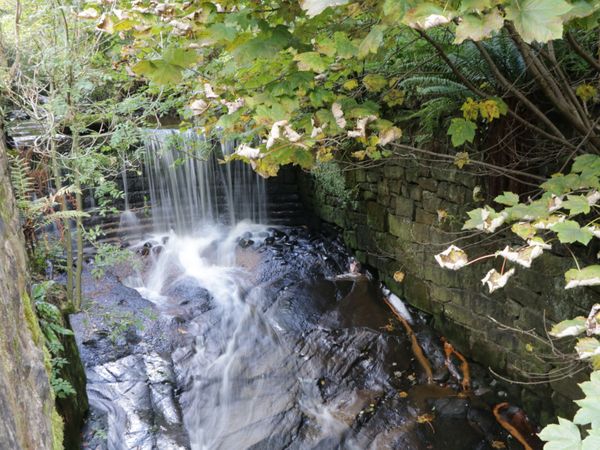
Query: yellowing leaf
[[452, 258], [470, 109], [461, 159], [399, 277], [495, 280], [374, 82], [586, 92], [350, 85], [371, 42]]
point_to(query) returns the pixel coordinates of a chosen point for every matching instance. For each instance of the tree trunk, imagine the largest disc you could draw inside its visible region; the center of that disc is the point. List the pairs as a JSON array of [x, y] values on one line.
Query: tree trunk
[[68, 238]]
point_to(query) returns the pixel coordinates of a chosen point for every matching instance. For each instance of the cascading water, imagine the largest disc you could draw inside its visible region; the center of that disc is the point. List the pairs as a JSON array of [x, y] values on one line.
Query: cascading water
[[268, 347], [188, 186]]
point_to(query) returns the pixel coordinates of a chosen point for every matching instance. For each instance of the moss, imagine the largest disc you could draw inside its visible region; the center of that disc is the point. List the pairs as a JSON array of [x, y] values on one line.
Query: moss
[[31, 319], [57, 430]]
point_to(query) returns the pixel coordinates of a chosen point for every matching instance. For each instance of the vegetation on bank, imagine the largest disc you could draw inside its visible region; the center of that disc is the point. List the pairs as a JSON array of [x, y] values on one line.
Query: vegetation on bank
[[503, 88]]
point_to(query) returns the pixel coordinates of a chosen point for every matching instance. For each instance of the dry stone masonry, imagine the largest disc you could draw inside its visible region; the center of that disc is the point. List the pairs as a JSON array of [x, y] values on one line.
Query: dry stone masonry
[[405, 212]]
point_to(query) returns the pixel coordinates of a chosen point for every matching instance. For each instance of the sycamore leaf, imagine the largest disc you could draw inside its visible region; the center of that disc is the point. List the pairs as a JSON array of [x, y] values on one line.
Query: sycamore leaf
[[576, 204], [586, 92], [244, 150], [586, 348], [312, 61], [524, 230], [461, 159], [461, 131], [592, 441], [374, 82], [588, 276], [477, 27], [180, 57], [583, 162], [371, 42], [338, 115], [427, 15], [452, 258], [389, 135], [495, 280], [507, 198], [316, 7], [484, 219], [562, 436], [538, 20], [573, 327], [474, 5], [523, 256], [344, 47], [569, 232], [159, 72]]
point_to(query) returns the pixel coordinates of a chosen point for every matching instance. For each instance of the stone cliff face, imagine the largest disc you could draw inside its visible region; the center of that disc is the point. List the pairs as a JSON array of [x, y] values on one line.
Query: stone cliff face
[[28, 418]]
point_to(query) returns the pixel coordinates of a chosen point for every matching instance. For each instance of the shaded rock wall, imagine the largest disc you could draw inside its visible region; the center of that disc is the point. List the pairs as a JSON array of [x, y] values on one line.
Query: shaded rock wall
[[393, 226], [28, 417]]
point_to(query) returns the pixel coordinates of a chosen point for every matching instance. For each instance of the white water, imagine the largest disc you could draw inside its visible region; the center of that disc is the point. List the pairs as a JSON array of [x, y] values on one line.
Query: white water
[[238, 376]]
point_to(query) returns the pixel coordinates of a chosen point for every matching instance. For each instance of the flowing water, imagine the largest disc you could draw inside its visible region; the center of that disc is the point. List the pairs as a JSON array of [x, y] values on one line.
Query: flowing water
[[272, 346]]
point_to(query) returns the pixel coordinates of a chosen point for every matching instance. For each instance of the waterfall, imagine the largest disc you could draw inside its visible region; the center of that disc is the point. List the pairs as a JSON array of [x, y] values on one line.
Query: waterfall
[[188, 186]]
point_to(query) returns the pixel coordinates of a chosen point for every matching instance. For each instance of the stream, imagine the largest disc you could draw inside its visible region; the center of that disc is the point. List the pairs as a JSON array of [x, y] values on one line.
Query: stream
[[236, 335]]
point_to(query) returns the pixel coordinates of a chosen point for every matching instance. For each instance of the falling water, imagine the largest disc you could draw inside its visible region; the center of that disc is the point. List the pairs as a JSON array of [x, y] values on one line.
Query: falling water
[[189, 187]]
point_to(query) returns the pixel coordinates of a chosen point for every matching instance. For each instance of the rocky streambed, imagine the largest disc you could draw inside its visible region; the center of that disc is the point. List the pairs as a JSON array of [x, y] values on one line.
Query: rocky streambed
[[260, 338]]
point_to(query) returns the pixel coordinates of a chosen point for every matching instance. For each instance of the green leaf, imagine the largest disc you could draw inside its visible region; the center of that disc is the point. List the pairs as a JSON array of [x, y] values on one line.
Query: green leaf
[[562, 436], [573, 327], [474, 5], [312, 61], [507, 198], [588, 276], [461, 131], [372, 42], [524, 230], [477, 27], [589, 407], [586, 162], [538, 20], [374, 82], [569, 232], [344, 46], [159, 72], [592, 441], [561, 184], [586, 348], [576, 204], [180, 57]]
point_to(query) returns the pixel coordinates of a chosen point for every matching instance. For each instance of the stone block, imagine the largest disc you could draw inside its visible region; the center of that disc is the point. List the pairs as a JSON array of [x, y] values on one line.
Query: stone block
[[404, 207], [393, 171], [376, 216], [431, 202], [373, 176], [452, 192], [400, 227], [416, 292], [361, 175], [428, 184], [383, 191], [425, 217], [415, 192]]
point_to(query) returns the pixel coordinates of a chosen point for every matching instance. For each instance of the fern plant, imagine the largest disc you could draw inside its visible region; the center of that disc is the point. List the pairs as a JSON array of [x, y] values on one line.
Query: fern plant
[[51, 323]]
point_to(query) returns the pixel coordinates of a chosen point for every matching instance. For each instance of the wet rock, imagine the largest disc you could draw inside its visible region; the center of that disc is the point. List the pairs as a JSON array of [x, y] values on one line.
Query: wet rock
[[245, 243]]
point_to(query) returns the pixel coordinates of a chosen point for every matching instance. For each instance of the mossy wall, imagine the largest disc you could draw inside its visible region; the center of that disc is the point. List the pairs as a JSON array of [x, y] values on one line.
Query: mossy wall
[[394, 225], [29, 419]]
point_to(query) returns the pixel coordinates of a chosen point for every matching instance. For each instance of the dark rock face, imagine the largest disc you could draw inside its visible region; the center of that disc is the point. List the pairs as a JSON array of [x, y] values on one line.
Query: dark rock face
[[125, 347], [28, 419], [290, 355]]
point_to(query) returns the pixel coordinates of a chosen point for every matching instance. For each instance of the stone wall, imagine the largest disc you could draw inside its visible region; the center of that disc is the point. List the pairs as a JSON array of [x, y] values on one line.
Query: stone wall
[[394, 225], [29, 420]]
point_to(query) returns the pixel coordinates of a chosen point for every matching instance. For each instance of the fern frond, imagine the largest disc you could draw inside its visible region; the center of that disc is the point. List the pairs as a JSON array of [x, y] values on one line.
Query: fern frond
[[21, 180]]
